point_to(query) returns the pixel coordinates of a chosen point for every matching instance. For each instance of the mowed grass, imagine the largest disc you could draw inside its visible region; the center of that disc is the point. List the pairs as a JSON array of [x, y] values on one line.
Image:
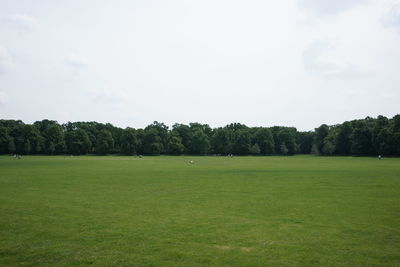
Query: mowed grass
[[161, 211]]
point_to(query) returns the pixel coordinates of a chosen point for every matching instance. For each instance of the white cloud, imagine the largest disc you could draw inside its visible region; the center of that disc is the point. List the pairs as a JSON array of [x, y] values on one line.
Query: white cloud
[[194, 55], [3, 98], [106, 95], [21, 22], [76, 62], [317, 61], [392, 17], [328, 7], [6, 62]]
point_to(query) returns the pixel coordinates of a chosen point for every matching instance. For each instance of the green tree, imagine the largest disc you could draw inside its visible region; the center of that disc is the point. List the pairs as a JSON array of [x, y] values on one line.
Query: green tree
[[361, 139], [320, 134], [184, 133], [283, 149], [51, 148], [160, 130], [328, 148], [314, 150], [105, 142], [129, 142], [27, 139], [287, 136], [221, 141], [241, 144], [175, 146], [265, 141], [152, 142], [395, 134], [305, 142], [255, 149], [11, 146], [200, 143], [343, 139], [27, 147], [54, 139], [78, 142], [4, 140]]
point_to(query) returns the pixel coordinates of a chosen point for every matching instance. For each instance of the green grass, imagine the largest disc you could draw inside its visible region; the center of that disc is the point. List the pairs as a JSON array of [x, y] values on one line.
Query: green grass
[[240, 211]]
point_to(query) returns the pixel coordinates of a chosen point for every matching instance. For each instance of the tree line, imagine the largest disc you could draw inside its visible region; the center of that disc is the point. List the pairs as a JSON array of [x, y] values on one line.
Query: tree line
[[369, 136]]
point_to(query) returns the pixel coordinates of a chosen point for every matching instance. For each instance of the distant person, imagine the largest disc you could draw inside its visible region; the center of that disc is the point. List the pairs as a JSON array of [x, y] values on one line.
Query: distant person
[[379, 157]]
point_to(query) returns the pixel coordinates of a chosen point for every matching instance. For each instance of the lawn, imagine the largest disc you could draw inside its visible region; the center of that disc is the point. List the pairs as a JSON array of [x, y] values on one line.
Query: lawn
[[225, 211]]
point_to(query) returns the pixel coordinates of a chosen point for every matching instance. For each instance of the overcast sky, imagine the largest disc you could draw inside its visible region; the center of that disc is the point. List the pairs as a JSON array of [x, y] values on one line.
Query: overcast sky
[[262, 63]]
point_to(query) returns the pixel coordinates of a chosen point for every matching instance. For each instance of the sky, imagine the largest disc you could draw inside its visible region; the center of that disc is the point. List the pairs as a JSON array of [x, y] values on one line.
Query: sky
[[296, 63]]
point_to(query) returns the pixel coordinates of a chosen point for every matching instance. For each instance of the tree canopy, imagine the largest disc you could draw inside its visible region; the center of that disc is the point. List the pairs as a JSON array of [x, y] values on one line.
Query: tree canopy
[[369, 136]]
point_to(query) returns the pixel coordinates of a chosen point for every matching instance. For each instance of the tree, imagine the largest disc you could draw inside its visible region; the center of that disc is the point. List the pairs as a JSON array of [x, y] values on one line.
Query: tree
[[283, 149], [395, 134], [328, 148], [129, 142], [199, 144], [320, 134], [27, 147], [78, 142], [51, 148], [314, 150], [184, 133], [140, 141], [305, 142], [361, 139], [53, 136], [160, 130], [221, 141], [105, 142], [255, 149], [265, 141], [241, 144], [27, 139], [152, 143], [175, 146], [343, 139], [54, 139], [4, 140], [154, 149], [286, 137]]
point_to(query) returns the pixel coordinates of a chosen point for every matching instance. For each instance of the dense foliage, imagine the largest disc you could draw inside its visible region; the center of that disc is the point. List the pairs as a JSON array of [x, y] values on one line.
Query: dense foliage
[[369, 136]]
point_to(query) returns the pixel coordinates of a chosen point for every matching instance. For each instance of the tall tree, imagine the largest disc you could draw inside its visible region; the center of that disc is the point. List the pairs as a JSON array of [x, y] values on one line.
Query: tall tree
[[105, 142], [241, 143], [200, 143], [129, 142], [361, 139], [5, 139], [78, 142], [378, 131], [152, 142], [184, 133], [305, 142], [343, 138], [221, 141], [320, 134], [54, 139], [175, 146], [265, 140], [287, 138], [27, 139], [160, 130]]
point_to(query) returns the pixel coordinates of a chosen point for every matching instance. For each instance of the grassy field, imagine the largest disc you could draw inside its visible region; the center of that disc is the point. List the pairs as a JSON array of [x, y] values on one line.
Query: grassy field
[[240, 211]]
